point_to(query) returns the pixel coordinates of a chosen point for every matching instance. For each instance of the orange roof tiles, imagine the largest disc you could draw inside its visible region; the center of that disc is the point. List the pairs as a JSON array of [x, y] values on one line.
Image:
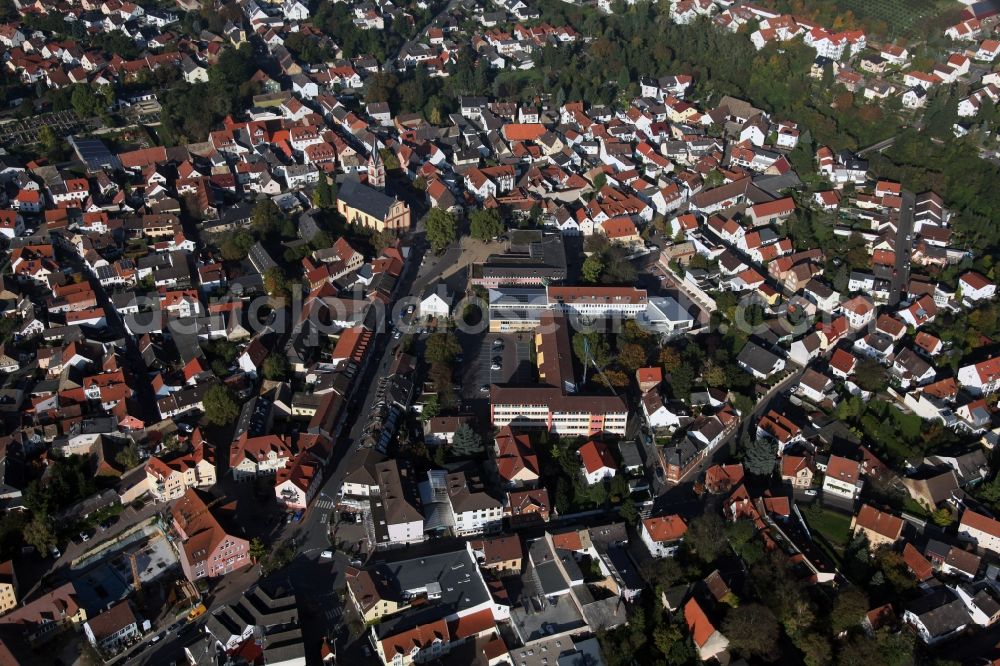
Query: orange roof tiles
[[665, 528]]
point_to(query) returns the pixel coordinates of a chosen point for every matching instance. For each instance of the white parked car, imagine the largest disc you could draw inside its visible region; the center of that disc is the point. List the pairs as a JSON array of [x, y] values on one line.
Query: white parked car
[[326, 555]]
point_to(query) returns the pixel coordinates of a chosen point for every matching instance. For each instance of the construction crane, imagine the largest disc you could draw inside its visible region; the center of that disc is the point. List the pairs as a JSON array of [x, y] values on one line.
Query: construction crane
[[136, 580]]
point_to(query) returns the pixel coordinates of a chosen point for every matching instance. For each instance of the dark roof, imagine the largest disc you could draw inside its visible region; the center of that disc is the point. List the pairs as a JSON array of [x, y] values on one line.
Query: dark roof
[[366, 199], [941, 611]]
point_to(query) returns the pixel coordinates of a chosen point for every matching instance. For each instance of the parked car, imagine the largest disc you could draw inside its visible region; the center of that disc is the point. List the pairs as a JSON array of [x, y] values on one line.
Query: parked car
[[326, 555], [297, 516], [810, 493]]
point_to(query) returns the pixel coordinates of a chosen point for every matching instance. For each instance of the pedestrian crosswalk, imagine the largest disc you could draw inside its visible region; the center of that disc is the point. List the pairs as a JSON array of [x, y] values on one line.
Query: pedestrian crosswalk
[[325, 504]]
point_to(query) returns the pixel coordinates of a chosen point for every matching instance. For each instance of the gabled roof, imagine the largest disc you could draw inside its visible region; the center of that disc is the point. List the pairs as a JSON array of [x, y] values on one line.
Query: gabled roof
[[977, 521], [879, 522], [597, 456]]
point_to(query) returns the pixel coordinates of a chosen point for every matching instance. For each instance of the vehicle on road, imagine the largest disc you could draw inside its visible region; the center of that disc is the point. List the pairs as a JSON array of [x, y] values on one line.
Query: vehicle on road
[[397, 334], [410, 309], [84, 536], [326, 555], [495, 366], [297, 516], [810, 493], [659, 472], [55, 552], [175, 626], [197, 611], [498, 343], [157, 638], [485, 388]]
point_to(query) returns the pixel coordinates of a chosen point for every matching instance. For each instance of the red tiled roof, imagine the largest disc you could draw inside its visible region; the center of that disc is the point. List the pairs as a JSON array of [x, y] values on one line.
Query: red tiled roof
[[978, 521], [596, 456], [698, 623], [917, 563], [880, 522], [665, 528], [843, 469]]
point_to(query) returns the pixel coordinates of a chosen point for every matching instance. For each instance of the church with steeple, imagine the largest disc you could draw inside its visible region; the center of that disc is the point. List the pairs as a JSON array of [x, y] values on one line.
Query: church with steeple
[[376, 169]]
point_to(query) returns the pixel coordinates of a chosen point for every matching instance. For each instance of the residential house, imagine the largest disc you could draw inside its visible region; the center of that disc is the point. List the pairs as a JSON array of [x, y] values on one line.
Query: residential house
[[843, 478], [598, 462], [662, 534], [208, 545], [880, 528]]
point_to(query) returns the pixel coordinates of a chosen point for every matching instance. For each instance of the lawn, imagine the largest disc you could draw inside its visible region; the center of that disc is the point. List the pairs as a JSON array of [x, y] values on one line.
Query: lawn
[[829, 526]]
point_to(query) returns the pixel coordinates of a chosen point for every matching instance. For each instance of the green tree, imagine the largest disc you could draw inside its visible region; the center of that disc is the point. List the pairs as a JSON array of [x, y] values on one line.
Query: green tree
[[870, 375], [40, 533], [466, 442], [258, 551], [442, 230], [761, 456], [323, 195], [628, 511], [266, 218], [275, 282], [706, 536], [485, 224], [753, 631], [442, 348], [597, 343], [815, 648], [276, 367], [48, 140], [431, 409], [129, 456], [632, 356], [220, 406], [593, 266], [236, 246], [848, 610]]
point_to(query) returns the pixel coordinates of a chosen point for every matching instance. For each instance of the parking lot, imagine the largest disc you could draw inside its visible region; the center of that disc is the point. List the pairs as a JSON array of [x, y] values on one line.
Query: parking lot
[[514, 367]]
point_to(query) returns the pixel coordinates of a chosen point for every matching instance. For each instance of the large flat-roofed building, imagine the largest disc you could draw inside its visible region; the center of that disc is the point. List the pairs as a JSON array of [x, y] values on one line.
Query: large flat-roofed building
[[514, 309], [554, 405], [532, 259]]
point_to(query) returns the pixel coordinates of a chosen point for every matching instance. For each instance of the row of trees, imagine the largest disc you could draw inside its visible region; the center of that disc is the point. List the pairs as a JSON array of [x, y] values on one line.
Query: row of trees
[[442, 228]]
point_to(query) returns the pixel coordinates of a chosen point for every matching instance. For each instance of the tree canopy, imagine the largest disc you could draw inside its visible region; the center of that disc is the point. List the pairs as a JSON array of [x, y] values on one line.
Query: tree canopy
[[220, 405], [442, 229], [485, 224]]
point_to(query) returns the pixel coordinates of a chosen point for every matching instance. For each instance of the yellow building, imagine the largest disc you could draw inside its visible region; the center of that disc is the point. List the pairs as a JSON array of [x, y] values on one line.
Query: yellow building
[[368, 207], [8, 587]]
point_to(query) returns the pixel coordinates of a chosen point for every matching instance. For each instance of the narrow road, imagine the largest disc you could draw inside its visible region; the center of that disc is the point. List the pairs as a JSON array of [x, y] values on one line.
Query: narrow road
[[904, 247], [878, 147]]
